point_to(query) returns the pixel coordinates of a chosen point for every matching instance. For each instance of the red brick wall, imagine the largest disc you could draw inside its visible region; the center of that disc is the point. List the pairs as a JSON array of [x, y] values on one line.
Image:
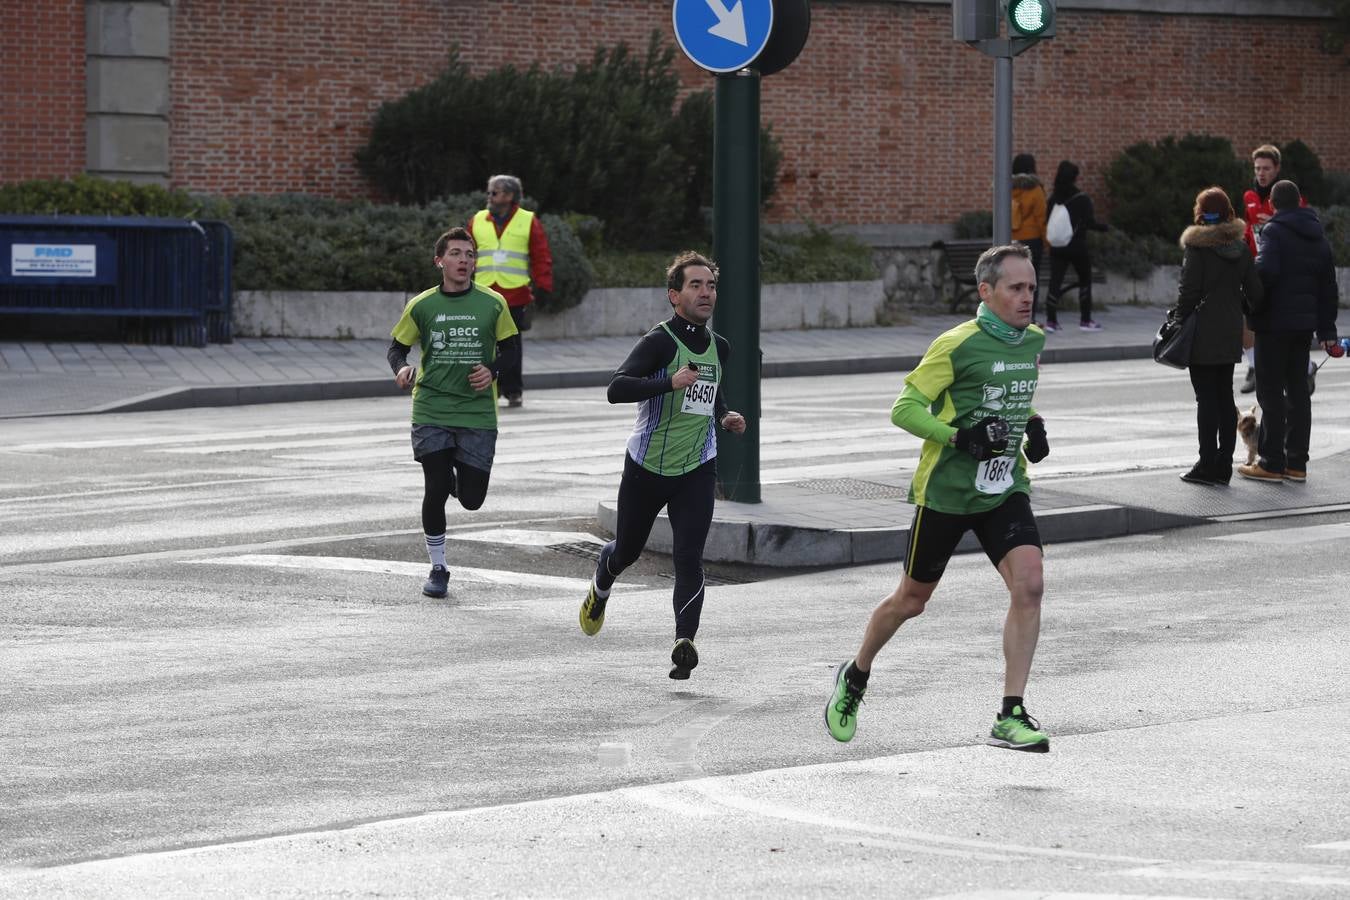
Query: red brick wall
[[41, 90], [883, 119]]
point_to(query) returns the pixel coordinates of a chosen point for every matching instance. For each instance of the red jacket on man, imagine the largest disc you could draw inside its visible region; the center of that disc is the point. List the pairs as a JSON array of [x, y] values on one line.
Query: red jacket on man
[[541, 261], [1253, 204]]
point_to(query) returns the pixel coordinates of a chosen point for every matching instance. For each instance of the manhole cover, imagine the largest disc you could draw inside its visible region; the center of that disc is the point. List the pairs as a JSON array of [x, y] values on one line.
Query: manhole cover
[[855, 488]]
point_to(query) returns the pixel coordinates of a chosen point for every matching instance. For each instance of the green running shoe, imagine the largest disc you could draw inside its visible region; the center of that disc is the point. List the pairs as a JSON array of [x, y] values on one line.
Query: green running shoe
[[684, 658], [1019, 731], [841, 713], [592, 612]]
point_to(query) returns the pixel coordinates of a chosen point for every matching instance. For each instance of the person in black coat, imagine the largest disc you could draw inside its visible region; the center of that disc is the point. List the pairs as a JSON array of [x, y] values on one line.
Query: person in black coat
[[1076, 252], [1218, 283], [1296, 266]]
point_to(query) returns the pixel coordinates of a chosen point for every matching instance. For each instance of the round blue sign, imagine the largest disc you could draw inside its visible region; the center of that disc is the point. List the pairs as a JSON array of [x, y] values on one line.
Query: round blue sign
[[722, 35]]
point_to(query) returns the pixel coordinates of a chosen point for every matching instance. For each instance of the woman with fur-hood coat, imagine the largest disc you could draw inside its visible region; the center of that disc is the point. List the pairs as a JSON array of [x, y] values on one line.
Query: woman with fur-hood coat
[[1219, 283]]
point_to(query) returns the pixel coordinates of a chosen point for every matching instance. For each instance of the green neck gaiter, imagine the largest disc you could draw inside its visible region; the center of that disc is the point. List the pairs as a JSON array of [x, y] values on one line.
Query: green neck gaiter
[[993, 325]]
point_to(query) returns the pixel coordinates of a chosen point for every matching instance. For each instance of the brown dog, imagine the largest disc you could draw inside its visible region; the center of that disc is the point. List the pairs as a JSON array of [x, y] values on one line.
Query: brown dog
[[1248, 424]]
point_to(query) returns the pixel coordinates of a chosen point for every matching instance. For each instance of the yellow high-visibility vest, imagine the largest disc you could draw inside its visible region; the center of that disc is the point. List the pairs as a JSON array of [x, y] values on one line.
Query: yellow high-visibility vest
[[505, 261]]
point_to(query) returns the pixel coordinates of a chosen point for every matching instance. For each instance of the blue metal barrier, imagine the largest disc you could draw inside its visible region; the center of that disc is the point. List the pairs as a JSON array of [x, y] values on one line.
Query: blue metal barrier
[[162, 280]]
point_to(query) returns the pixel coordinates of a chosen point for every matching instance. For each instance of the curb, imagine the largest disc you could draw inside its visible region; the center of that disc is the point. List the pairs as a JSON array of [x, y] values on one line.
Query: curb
[[190, 397], [778, 545]]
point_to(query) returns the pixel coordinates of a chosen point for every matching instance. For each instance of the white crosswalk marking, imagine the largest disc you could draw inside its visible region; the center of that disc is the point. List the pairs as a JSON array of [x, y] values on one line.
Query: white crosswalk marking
[[394, 567]]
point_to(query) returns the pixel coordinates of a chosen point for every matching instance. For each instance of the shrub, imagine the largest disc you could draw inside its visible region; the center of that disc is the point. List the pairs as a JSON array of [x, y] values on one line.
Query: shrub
[[813, 255], [974, 224], [607, 141], [1133, 256], [1336, 220], [1153, 186], [85, 195], [1338, 189], [292, 242], [1299, 164]]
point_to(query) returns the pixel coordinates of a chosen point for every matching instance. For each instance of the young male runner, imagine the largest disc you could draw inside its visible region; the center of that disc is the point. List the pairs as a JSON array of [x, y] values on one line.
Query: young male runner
[[466, 335], [674, 374], [970, 400]]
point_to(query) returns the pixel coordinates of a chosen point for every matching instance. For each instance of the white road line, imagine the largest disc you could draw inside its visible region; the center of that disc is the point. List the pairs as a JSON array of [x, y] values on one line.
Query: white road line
[[159, 555], [521, 537], [1000, 894], [1247, 870], [775, 811], [684, 746], [1337, 845], [1307, 534], [395, 567]]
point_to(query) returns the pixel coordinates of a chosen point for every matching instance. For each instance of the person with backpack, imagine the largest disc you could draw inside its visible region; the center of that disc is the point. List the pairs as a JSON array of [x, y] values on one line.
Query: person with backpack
[[1069, 220]]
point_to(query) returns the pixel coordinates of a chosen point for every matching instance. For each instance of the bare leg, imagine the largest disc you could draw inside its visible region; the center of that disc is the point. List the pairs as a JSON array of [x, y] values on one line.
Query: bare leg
[[1022, 572], [901, 605]]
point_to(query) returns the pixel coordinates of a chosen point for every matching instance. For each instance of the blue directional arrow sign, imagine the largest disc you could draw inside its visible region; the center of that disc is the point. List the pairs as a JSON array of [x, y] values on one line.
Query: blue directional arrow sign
[[723, 35]]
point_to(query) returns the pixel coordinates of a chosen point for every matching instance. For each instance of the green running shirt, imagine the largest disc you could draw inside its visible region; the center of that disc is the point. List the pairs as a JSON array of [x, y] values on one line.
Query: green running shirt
[[455, 332], [675, 432], [967, 375]]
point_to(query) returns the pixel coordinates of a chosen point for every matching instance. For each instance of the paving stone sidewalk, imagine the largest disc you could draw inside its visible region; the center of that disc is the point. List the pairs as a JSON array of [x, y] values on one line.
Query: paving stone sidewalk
[[44, 378]]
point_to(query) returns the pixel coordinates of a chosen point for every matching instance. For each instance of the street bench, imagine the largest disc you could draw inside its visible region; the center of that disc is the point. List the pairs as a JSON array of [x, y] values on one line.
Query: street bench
[[961, 256]]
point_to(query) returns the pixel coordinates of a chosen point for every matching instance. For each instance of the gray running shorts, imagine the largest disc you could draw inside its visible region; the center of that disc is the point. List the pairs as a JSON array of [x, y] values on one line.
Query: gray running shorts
[[473, 446]]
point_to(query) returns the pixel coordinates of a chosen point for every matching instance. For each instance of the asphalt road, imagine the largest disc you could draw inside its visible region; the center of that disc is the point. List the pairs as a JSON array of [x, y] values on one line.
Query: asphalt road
[[220, 678]]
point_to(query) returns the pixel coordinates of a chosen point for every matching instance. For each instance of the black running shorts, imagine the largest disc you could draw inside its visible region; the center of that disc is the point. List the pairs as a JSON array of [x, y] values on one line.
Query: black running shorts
[[934, 535]]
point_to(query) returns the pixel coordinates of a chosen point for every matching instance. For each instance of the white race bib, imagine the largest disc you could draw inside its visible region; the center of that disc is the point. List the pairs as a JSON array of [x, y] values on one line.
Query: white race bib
[[994, 476], [699, 398]]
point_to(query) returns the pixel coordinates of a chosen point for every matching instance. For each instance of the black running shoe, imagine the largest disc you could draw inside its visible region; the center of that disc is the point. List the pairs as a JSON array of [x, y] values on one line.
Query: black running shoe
[[438, 582], [685, 658]]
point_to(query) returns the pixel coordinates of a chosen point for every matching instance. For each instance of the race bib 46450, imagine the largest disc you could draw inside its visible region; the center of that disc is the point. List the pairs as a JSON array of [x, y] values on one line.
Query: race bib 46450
[[699, 398]]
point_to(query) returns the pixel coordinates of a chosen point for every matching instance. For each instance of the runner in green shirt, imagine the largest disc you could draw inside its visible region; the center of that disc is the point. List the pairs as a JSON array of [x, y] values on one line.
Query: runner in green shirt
[[674, 376], [465, 334], [970, 399]]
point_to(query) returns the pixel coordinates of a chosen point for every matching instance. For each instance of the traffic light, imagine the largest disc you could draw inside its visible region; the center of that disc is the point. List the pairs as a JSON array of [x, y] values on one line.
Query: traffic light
[[1031, 18]]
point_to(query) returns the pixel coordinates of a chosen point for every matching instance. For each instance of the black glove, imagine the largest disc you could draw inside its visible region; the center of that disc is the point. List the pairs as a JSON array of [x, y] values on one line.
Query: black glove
[[1036, 447], [986, 439]]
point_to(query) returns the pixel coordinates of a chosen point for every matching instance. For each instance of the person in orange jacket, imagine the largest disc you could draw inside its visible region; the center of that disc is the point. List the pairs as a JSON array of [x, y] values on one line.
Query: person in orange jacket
[[1028, 215]]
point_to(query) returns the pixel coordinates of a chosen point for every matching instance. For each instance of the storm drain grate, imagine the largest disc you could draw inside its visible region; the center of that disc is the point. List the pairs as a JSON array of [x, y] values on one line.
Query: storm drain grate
[[582, 549], [711, 580], [855, 488]]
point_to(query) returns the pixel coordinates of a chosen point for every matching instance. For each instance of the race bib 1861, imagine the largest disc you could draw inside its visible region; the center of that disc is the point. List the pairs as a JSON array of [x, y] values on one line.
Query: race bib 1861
[[995, 476]]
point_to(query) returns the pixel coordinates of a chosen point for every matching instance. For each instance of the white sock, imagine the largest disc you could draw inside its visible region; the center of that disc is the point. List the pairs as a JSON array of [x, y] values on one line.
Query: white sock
[[603, 595], [436, 549], [1250, 356]]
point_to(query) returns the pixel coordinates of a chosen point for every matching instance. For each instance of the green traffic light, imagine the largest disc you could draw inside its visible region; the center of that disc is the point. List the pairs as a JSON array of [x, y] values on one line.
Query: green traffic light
[[1030, 17]]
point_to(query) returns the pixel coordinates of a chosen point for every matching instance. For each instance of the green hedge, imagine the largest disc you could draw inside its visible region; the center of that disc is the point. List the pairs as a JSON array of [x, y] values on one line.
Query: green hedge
[[87, 196], [815, 255], [291, 242], [612, 139]]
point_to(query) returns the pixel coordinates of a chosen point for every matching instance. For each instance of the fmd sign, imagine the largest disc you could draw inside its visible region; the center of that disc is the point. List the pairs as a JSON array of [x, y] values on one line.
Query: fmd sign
[[723, 35], [53, 260]]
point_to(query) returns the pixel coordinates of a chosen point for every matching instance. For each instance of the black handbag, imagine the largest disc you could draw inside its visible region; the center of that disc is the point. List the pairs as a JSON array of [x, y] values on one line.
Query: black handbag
[[1172, 343]]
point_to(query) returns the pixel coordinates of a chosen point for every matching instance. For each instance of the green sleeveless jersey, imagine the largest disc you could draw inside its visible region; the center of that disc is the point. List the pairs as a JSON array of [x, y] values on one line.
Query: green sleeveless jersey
[[968, 375], [455, 332], [675, 432]]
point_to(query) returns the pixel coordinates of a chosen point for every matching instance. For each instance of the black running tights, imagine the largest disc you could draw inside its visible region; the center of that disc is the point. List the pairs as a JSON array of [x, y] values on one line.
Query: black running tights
[[688, 501], [443, 477]]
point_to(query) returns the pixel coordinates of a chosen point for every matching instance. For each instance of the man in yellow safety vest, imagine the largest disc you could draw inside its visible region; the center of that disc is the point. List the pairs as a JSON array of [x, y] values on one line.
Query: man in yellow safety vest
[[513, 254]]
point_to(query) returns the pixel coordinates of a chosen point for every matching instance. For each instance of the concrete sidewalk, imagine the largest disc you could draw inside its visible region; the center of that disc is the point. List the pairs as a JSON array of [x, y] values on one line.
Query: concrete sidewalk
[[817, 522], [38, 378]]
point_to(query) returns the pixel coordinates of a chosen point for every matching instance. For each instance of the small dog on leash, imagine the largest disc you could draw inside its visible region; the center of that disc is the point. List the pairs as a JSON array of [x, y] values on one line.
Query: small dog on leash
[[1249, 423]]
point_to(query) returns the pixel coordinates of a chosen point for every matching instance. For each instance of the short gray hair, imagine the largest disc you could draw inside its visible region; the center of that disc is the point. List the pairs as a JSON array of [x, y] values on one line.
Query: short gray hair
[[989, 267], [510, 182]]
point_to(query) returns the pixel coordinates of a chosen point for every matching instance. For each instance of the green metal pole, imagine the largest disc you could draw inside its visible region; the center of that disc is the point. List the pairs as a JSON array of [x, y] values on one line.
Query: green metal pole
[[736, 249]]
